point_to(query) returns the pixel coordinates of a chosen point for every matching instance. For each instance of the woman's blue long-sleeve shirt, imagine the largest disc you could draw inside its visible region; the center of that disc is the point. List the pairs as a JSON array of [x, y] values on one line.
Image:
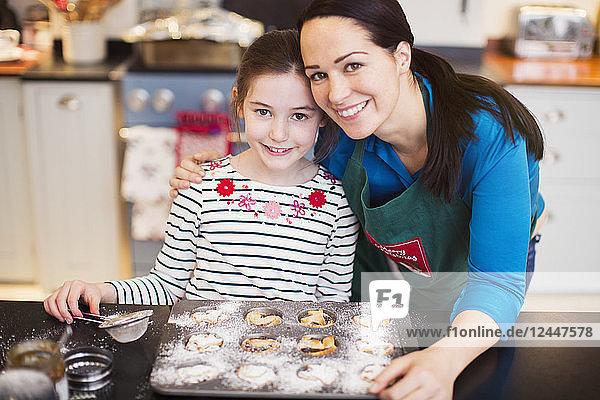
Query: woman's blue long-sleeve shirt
[[499, 184]]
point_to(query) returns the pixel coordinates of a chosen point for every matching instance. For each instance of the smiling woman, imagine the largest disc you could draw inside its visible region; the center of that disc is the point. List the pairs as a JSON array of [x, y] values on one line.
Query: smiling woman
[[440, 168], [348, 81]]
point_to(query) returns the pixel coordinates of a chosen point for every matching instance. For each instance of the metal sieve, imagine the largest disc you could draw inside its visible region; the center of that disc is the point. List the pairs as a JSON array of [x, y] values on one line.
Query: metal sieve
[[123, 328]]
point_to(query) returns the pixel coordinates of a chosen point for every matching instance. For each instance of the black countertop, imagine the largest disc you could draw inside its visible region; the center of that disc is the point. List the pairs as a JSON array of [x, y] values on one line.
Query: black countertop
[[499, 373], [116, 64]]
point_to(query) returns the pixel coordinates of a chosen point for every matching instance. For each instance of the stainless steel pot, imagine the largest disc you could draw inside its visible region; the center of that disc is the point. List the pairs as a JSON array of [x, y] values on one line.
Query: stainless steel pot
[[206, 37]]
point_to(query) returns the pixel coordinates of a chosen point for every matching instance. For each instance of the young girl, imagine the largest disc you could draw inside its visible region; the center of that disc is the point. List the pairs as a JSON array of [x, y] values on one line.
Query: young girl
[[266, 224]]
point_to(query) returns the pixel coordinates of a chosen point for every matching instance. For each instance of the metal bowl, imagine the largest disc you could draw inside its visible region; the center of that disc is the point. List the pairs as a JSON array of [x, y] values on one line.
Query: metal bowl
[[88, 368]]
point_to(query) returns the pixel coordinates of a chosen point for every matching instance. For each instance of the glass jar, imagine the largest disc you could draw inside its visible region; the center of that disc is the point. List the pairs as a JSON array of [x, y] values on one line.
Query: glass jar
[[44, 356]]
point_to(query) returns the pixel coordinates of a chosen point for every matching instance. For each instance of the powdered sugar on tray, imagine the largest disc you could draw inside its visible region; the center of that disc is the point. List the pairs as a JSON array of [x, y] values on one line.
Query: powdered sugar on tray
[[185, 319], [286, 371]]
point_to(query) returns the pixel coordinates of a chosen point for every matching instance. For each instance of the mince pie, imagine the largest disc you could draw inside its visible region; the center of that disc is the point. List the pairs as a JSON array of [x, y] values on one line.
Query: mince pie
[[315, 346], [317, 319], [258, 318], [260, 344], [204, 343]]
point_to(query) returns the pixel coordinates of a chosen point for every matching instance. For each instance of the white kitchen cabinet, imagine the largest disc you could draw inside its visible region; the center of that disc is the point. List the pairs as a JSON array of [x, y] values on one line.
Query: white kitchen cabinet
[[74, 175], [567, 260], [17, 252]]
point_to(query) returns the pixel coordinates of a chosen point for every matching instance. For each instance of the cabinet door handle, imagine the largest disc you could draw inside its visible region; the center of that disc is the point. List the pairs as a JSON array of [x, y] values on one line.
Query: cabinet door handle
[[69, 102], [554, 116]]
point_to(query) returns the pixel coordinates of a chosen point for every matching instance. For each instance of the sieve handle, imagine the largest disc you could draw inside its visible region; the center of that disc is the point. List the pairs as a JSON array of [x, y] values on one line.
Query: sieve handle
[[91, 318], [100, 317], [88, 319]]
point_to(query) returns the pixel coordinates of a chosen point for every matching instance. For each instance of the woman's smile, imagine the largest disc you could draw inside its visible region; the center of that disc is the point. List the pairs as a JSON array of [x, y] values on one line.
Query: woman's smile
[[351, 112]]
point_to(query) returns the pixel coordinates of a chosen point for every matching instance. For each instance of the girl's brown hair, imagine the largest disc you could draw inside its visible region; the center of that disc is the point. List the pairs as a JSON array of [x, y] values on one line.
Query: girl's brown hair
[[456, 96], [275, 52]]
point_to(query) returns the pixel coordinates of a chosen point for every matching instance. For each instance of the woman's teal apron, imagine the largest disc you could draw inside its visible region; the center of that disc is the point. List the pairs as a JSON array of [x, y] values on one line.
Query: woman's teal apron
[[423, 234]]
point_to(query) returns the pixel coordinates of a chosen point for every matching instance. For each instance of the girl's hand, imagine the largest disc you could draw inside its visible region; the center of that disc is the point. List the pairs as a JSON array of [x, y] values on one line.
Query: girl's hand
[[189, 170], [424, 374], [67, 297]]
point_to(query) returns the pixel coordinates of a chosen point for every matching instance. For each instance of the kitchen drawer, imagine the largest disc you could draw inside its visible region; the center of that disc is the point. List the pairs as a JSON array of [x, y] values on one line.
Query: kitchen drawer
[[567, 256], [570, 120]]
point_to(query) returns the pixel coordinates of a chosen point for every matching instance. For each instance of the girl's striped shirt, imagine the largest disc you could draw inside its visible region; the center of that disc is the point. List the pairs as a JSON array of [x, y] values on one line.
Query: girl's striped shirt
[[232, 238]]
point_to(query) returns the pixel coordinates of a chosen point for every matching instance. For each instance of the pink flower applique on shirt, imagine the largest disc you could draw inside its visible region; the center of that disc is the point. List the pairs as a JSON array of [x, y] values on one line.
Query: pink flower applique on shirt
[[298, 208], [272, 209], [246, 201], [215, 164], [317, 198], [329, 176]]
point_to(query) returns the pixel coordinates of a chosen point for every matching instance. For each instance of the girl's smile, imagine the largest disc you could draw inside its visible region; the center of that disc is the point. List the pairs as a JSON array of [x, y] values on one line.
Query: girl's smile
[[276, 151]]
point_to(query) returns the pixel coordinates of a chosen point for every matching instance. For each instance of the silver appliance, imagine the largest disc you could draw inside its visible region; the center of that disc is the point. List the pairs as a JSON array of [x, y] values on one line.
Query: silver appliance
[[553, 32]]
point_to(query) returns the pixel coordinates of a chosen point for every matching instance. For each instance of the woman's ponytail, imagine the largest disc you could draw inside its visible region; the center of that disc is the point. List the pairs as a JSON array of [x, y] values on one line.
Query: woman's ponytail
[[456, 97]]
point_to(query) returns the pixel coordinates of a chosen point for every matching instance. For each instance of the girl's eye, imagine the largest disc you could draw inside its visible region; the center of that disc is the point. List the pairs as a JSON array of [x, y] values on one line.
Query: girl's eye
[[353, 67], [263, 112], [299, 116], [317, 76]]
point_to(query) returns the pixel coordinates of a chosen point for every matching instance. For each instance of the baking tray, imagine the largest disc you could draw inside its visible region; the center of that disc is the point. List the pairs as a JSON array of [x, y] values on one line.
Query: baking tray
[[348, 360]]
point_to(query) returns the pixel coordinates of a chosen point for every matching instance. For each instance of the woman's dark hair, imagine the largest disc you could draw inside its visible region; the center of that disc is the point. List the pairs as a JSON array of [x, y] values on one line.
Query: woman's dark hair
[[456, 96], [275, 52]]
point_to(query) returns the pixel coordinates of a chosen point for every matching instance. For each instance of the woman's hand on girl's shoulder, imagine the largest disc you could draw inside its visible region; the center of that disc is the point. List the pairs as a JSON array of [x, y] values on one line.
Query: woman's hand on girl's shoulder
[[424, 374], [189, 170]]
